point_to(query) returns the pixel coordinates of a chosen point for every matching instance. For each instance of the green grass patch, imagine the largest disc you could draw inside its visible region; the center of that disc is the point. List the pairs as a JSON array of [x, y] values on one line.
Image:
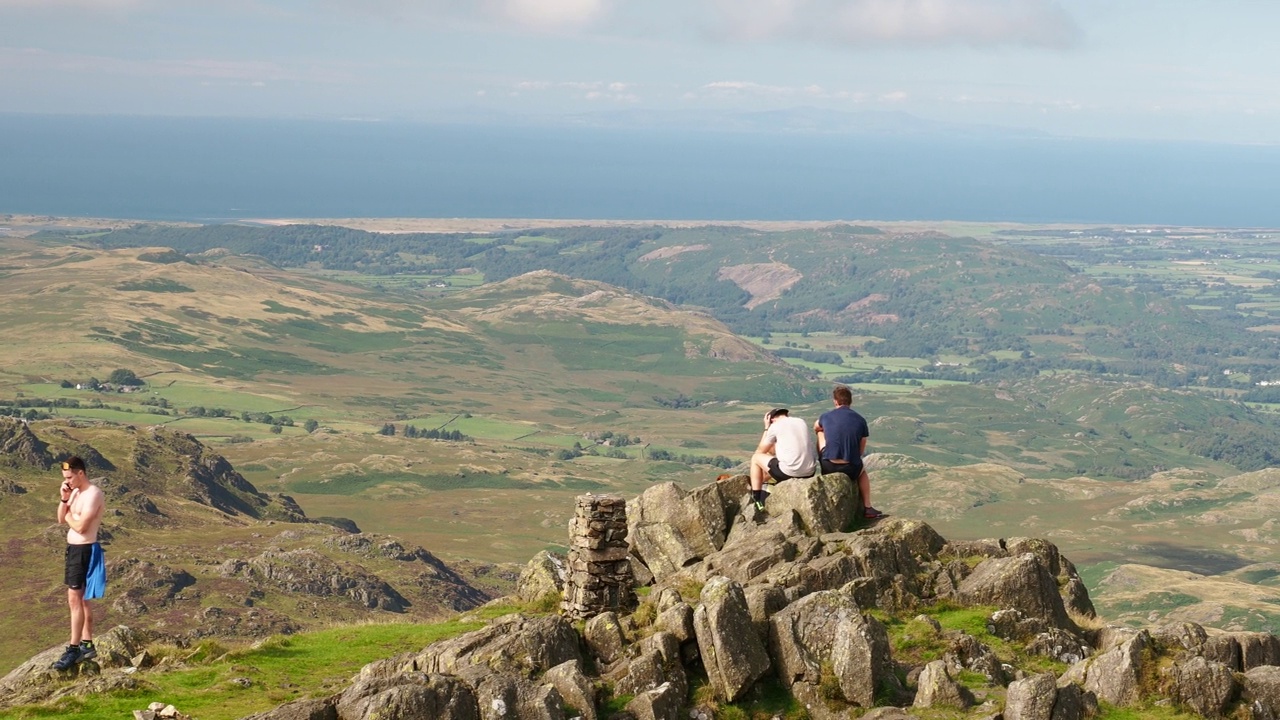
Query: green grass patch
[[155, 285], [281, 669], [274, 307]]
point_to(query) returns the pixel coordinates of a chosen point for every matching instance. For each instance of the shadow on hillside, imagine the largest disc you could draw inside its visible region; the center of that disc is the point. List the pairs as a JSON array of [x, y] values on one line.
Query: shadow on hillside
[[1192, 559]]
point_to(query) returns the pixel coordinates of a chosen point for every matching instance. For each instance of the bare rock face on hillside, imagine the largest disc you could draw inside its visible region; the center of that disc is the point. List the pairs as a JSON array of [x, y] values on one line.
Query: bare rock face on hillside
[[434, 580], [177, 463], [307, 572], [19, 446]]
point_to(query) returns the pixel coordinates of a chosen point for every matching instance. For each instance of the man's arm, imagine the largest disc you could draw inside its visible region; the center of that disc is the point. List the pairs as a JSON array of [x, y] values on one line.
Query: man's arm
[[862, 447], [82, 518], [767, 444], [64, 493]]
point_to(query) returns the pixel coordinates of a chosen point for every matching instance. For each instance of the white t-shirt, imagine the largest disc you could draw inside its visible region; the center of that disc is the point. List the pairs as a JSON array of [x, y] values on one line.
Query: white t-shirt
[[794, 446]]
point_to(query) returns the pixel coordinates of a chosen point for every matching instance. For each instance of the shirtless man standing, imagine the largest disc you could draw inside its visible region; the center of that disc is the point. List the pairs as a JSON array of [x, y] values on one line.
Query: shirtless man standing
[[81, 509]]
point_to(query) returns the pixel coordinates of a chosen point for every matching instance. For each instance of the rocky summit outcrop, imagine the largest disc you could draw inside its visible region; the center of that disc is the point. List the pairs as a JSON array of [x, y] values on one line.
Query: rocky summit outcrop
[[845, 619], [800, 597], [19, 446]]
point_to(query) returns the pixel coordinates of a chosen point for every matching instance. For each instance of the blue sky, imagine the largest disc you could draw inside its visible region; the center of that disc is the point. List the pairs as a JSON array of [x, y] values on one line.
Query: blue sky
[[1145, 69]]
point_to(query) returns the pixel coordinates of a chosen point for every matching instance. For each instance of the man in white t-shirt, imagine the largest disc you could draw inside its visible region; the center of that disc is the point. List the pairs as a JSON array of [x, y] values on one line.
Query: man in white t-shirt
[[787, 450]]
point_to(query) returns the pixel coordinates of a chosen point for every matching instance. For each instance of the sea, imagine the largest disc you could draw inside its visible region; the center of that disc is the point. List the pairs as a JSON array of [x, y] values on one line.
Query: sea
[[220, 169]]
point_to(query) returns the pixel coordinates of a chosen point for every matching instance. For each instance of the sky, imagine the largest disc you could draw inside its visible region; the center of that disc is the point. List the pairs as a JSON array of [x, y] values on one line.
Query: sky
[[1194, 70]]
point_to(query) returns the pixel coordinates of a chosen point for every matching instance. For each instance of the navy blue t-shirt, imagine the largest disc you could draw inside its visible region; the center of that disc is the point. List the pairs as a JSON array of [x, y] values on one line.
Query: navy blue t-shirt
[[843, 429]]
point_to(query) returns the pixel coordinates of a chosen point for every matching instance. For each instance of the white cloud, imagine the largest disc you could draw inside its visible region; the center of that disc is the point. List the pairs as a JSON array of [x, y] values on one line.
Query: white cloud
[[551, 14], [907, 22], [540, 16]]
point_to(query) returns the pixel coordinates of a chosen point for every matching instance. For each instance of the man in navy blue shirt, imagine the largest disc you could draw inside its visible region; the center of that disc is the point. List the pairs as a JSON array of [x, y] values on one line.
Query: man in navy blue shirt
[[842, 438]]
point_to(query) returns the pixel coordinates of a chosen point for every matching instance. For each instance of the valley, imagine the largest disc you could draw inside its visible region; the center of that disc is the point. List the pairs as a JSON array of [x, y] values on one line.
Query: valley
[[1099, 387]]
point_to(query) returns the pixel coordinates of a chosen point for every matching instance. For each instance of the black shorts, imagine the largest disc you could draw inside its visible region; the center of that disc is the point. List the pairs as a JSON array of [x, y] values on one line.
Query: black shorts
[[852, 469], [776, 473], [78, 565]]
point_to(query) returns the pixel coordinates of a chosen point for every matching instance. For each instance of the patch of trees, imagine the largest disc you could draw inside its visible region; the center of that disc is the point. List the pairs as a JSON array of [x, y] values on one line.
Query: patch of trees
[[245, 416], [24, 402], [1262, 395], [817, 356], [679, 402], [436, 434], [1247, 446], [719, 461], [609, 437]]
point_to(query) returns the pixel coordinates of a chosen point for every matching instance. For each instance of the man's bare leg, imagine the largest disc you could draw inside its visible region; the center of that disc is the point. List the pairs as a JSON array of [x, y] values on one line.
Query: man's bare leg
[[87, 634], [75, 600], [864, 487], [759, 470]]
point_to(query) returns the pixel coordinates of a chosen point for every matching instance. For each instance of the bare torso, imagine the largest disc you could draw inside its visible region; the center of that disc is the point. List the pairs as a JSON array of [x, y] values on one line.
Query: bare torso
[[84, 515]]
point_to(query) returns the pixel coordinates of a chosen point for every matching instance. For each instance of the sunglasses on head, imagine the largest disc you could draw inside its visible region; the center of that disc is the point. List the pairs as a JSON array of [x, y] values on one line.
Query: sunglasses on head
[[67, 466]]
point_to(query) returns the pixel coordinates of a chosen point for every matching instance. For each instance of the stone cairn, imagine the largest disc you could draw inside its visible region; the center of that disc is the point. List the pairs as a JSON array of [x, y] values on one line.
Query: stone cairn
[[599, 578]]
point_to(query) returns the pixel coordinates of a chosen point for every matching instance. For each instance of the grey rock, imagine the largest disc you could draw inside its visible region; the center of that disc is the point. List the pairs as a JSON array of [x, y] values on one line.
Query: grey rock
[[1074, 703], [641, 673], [576, 689], [604, 637], [664, 644], [967, 652], [677, 620], [662, 548], [752, 556], [640, 571], [669, 528], [1032, 698], [661, 703], [1257, 649], [1204, 686], [1114, 676], [1110, 636], [1224, 649], [824, 503], [543, 575], [935, 688], [818, 705], [667, 598], [1022, 583], [1076, 597], [828, 629], [512, 643], [1262, 692], [1179, 636], [540, 702], [732, 654], [1059, 645], [409, 696]]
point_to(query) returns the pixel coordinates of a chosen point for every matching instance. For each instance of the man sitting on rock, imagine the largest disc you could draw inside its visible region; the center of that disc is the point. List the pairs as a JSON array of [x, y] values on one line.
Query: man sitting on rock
[[786, 451], [842, 439]]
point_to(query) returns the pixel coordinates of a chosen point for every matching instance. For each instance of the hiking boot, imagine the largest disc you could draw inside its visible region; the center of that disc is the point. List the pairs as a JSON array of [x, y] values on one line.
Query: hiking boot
[[759, 505], [68, 659], [871, 513], [88, 650]]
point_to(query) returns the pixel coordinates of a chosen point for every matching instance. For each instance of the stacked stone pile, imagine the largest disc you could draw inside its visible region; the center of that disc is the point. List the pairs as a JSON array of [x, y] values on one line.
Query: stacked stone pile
[[600, 578]]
